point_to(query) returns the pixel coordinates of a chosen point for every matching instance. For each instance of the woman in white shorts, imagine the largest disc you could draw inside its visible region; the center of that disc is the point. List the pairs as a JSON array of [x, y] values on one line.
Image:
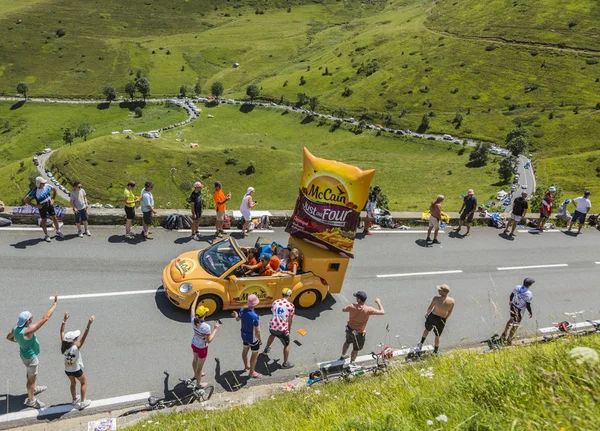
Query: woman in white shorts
[[247, 204]]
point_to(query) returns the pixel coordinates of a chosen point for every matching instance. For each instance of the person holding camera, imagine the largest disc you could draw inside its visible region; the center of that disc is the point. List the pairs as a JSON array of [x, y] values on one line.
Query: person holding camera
[[247, 204]]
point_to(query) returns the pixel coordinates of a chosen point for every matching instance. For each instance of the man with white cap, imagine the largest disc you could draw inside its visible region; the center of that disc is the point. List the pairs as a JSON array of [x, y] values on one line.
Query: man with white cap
[[546, 209], [245, 207], [29, 348], [45, 203], [281, 325], [196, 203], [437, 315], [467, 211]]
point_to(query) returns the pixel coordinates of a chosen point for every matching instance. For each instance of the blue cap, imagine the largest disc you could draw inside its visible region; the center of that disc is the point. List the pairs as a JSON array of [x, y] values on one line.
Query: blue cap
[[23, 318], [361, 295]]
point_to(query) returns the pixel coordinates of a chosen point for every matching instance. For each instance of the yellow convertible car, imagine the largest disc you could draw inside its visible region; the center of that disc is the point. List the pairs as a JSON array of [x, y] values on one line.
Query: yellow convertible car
[[216, 272]]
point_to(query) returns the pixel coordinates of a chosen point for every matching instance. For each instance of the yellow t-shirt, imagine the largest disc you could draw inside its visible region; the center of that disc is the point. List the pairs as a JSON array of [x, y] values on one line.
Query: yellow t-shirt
[[128, 194]]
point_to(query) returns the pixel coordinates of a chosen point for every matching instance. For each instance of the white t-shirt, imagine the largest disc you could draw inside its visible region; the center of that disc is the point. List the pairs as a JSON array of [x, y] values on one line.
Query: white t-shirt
[[582, 204], [79, 199], [72, 358], [201, 333], [523, 296]]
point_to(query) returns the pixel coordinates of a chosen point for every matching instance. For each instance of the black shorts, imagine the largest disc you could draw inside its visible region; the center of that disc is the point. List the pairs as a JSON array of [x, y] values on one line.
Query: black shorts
[[46, 210], [254, 347], [130, 213], [469, 219], [77, 374], [515, 314], [285, 338], [578, 217], [435, 322], [198, 213], [357, 339], [147, 217], [80, 216]]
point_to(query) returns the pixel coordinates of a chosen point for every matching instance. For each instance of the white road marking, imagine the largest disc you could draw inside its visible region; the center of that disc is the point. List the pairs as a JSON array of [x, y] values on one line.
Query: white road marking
[[23, 228], [65, 408], [401, 231], [410, 274], [537, 230], [100, 295], [228, 231], [597, 263], [510, 268]]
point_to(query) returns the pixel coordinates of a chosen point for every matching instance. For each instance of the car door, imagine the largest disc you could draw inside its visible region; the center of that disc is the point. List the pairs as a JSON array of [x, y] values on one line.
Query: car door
[[267, 289]]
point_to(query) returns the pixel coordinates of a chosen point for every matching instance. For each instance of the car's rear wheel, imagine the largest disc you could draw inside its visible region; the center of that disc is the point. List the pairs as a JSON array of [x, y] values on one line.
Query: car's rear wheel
[[212, 302], [307, 299]]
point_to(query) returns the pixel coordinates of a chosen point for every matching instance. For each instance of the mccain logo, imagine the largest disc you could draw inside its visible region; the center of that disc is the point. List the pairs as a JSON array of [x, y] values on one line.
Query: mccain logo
[[327, 193]]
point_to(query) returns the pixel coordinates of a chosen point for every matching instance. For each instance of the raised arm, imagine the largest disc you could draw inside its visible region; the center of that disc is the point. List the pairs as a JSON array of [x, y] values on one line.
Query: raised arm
[[62, 326], [381, 311], [193, 309], [214, 332], [85, 333], [37, 325]]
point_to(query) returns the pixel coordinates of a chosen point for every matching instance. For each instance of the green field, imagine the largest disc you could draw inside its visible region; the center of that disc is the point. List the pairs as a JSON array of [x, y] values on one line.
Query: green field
[[500, 63], [273, 141], [535, 388]]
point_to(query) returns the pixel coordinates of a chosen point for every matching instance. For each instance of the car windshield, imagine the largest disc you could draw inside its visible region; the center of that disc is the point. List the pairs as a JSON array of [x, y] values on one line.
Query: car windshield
[[220, 257]]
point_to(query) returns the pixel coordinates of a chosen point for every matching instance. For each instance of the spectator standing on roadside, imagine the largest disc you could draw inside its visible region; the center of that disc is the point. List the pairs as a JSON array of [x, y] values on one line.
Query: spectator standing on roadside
[[201, 339], [250, 335], [358, 317], [435, 218], [437, 315], [520, 298], [196, 204], [245, 207], [130, 201], [370, 209], [467, 211], [71, 349], [563, 212], [546, 209], [281, 325], [45, 203], [29, 349], [80, 206], [519, 209], [147, 208], [582, 207], [220, 206]]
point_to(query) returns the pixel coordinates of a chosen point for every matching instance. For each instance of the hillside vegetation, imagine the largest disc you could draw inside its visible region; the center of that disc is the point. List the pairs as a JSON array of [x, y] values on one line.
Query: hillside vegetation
[[535, 388], [496, 64]]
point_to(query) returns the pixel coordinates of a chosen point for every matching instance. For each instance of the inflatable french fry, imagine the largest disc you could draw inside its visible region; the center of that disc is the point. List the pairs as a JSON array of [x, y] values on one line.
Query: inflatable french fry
[[327, 212]]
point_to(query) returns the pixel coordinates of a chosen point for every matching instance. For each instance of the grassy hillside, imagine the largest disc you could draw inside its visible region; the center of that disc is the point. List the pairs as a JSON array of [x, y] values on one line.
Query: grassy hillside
[[410, 171], [536, 388]]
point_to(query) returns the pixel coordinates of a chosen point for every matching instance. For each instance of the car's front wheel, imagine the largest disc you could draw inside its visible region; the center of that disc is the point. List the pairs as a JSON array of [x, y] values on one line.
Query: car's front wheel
[[307, 299], [212, 302]]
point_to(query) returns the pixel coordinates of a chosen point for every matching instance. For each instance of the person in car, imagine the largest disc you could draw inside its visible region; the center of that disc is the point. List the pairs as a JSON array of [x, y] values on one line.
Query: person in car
[[262, 268], [293, 264]]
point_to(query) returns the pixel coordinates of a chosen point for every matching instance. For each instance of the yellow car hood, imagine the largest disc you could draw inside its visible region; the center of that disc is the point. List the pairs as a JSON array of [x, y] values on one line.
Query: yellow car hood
[[186, 267]]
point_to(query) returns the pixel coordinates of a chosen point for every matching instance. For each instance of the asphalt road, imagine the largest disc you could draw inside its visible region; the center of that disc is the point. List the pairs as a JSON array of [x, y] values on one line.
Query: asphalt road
[[138, 336]]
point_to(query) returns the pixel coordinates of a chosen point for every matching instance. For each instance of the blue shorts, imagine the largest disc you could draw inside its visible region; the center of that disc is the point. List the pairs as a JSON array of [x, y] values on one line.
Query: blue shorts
[[81, 215], [577, 216]]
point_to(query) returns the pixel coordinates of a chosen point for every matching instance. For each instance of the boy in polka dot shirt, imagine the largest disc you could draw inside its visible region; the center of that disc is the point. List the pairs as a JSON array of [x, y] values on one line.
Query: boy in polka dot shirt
[[281, 324]]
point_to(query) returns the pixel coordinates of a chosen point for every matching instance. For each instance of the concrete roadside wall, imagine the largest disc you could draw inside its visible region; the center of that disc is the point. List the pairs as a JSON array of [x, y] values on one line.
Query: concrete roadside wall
[[279, 218]]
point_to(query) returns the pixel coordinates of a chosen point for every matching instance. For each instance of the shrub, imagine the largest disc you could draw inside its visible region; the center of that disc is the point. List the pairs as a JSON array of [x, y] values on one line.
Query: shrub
[[454, 91], [490, 47], [347, 92], [138, 112], [530, 87], [476, 97], [231, 161], [302, 80], [138, 157], [592, 60], [61, 32]]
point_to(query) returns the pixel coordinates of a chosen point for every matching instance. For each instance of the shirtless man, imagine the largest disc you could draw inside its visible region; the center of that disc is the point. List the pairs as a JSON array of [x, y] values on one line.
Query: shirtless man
[[435, 218], [437, 315]]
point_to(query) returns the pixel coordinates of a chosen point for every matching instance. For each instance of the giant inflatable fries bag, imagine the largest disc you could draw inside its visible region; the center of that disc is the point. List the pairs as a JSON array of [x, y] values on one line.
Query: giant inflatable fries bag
[[327, 212]]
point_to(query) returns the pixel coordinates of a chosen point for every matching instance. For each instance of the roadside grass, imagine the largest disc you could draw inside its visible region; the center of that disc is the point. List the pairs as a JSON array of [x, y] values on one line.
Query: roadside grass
[[539, 387], [410, 171]]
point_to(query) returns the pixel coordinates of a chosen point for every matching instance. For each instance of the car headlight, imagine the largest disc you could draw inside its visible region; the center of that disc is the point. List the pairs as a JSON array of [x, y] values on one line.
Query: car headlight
[[185, 287]]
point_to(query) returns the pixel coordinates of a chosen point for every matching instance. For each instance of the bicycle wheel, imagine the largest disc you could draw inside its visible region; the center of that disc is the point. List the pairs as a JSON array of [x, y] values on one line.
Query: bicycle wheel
[[205, 393], [138, 410]]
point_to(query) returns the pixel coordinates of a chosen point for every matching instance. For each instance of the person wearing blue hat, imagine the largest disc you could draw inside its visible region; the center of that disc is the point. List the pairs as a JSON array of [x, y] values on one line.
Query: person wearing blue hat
[[29, 348], [358, 316]]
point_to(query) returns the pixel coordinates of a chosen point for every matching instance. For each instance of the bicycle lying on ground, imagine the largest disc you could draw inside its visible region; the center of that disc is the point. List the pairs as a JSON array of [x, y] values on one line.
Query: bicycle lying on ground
[[198, 393], [494, 343], [349, 371]]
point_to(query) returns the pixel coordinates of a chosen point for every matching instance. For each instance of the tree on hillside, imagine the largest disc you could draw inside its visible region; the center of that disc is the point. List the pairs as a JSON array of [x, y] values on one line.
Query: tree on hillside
[[197, 88], [23, 88], [479, 156], [252, 92], [424, 123], [183, 90], [458, 119], [518, 145], [506, 167], [143, 86], [517, 131], [313, 102], [302, 99], [68, 136], [109, 92], [217, 89], [130, 89], [84, 130]]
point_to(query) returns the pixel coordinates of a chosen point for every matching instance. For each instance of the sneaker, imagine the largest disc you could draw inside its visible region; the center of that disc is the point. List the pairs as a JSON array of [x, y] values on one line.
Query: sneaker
[[435, 241], [129, 236], [220, 235], [39, 389], [428, 239], [266, 351], [80, 234], [147, 236], [47, 238], [256, 375], [286, 365], [35, 404], [60, 234], [84, 404], [87, 232], [76, 400], [419, 347], [343, 357]]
